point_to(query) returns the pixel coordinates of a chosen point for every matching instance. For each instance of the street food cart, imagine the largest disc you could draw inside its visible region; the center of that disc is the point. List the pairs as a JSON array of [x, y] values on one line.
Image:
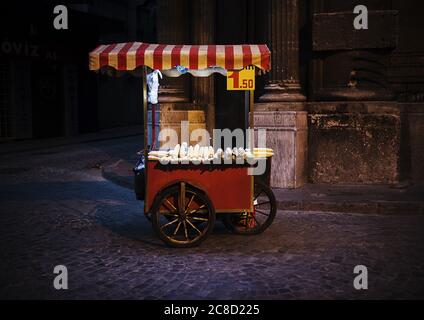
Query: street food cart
[[184, 194]]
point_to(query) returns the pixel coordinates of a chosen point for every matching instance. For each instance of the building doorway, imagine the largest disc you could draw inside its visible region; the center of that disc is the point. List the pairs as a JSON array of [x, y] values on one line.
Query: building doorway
[[47, 100]]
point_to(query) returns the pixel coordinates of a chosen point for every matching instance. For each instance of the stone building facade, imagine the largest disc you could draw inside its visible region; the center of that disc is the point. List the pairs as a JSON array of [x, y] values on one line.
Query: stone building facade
[[46, 89], [340, 105]]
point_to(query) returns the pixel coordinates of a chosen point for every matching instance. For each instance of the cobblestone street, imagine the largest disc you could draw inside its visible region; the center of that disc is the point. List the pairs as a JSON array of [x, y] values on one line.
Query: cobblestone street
[[56, 209]]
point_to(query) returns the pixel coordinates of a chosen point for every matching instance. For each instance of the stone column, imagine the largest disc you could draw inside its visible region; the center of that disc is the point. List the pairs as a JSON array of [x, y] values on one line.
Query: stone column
[[173, 28], [283, 40], [203, 28], [281, 108]]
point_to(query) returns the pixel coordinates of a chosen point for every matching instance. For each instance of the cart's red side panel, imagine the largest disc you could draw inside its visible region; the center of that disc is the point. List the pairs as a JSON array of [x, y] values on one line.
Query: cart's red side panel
[[229, 187]]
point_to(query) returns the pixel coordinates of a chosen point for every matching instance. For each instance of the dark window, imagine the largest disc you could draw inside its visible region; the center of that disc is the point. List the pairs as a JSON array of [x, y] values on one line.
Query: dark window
[[4, 100]]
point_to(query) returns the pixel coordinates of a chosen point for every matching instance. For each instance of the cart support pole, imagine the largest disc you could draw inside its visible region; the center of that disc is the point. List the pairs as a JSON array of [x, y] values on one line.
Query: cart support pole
[[251, 118], [251, 102], [145, 135], [246, 109]]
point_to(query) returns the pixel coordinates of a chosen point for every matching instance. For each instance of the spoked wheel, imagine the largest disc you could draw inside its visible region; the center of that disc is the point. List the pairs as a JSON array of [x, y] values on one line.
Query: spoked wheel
[[183, 217], [255, 222]]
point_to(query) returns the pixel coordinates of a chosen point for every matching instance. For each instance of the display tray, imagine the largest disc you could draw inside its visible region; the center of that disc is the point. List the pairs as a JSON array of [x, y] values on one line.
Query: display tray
[[204, 166]]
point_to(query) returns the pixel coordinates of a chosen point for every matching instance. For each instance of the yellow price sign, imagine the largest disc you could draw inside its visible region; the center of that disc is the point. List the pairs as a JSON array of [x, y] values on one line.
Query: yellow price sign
[[241, 79]]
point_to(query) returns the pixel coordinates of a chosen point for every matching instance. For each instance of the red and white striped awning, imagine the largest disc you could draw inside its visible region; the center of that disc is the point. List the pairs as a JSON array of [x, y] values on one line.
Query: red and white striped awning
[[129, 56]]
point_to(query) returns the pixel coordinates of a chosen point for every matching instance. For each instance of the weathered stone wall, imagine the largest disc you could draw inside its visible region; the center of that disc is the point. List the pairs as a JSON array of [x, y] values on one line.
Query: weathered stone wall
[[287, 135], [354, 142], [170, 115]]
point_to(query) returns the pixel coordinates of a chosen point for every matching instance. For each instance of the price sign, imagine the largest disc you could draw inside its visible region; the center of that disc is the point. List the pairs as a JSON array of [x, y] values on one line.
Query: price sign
[[241, 79]]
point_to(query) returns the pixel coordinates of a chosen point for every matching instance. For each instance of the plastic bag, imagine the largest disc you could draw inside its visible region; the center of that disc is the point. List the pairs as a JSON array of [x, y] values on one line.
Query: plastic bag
[[153, 85]]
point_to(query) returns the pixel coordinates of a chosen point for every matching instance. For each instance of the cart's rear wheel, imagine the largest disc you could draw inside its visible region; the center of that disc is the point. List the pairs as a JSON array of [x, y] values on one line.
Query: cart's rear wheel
[[264, 210], [182, 216]]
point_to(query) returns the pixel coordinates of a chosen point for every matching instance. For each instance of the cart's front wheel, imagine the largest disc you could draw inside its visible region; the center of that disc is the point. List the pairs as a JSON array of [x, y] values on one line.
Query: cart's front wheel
[[255, 222], [182, 216]]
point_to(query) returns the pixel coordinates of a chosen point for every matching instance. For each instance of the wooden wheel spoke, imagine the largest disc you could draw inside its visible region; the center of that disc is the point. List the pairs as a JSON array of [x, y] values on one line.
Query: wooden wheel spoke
[[198, 219], [169, 203], [193, 226], [170, 214], [182, 198], [256, 220], [177, 228], [258, 194], [169, 223], [185, 229], [259, 204], [189, 203], [196, 210], [261, 212]]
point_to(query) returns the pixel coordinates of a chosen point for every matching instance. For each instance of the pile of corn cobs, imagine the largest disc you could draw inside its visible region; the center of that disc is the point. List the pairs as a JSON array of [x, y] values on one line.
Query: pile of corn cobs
[[206, 154]]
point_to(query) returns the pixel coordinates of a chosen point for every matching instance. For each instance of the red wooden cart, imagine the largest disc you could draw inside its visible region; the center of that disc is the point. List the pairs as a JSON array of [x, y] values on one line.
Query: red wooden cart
[[182, 200]]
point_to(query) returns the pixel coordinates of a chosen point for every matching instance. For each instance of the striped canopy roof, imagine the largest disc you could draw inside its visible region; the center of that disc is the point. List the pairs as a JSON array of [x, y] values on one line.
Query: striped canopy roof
[[129, 56]]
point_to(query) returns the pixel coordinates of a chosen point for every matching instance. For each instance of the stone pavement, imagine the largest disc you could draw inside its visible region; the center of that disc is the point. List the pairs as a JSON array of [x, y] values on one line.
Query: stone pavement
[[57, 209], [28, 145], [376, 199]]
